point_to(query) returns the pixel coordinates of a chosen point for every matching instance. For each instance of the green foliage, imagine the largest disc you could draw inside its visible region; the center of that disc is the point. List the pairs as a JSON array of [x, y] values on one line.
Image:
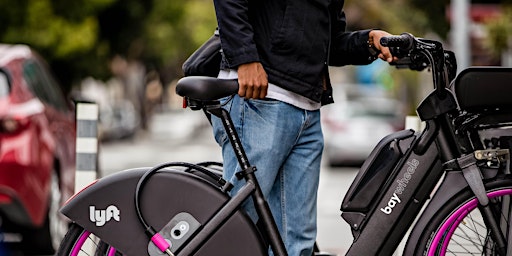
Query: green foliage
[[395, 16], [38, 25], [499, 30], [174, 29], [64, 32], [78, 38], [434, 13]]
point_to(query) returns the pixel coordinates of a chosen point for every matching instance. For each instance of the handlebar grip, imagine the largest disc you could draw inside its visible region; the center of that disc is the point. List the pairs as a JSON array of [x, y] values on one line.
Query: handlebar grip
[[405, 41]]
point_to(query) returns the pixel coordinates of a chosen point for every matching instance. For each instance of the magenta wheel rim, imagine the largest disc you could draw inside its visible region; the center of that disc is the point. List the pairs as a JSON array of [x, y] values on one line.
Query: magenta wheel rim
[[80, 243], [453, 221]]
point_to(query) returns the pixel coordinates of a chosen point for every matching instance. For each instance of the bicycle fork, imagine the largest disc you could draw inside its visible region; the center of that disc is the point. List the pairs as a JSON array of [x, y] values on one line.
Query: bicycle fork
[[473, 177]]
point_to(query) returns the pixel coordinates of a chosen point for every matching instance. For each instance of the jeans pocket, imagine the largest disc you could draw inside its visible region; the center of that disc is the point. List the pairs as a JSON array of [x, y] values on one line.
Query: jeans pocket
[[265, 101], [219, 132]]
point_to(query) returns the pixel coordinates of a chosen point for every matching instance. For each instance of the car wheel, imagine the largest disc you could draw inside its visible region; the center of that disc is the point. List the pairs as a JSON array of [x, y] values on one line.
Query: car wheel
[[58, 223], [45, 239]]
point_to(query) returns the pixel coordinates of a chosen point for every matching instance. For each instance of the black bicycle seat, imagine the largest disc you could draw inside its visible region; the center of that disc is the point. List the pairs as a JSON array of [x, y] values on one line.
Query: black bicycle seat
[[205, 88]]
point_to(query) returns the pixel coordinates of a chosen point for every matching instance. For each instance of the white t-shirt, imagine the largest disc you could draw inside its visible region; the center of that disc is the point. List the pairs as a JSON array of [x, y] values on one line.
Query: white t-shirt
[[277, 93]]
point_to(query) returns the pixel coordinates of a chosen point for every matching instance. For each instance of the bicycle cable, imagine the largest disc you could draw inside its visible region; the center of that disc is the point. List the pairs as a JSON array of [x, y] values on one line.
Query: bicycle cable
[[156, 238]]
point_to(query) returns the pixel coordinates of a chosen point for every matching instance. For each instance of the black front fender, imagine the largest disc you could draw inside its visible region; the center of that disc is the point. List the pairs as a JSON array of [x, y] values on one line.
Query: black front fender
[[453, 184]]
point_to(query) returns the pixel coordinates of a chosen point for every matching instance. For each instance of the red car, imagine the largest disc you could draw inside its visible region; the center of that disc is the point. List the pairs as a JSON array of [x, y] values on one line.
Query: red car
[[37, 153]]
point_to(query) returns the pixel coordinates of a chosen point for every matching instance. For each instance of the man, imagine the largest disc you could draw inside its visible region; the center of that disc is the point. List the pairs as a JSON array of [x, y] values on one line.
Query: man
[[279, 50]]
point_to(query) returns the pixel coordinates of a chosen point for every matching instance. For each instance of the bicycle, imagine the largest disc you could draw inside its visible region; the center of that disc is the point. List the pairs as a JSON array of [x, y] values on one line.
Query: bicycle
[[449, 185]]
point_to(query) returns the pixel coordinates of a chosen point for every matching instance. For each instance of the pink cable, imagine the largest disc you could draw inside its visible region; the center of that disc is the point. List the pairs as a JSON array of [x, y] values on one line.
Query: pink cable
[[160, 242]]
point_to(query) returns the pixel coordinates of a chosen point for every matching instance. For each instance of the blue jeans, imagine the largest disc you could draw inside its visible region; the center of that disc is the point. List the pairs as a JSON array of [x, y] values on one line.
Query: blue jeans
[[285, 143]]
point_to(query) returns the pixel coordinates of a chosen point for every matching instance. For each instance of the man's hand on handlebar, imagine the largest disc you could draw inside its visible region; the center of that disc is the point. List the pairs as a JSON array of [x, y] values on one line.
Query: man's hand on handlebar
[[252, 80], [374, 38]]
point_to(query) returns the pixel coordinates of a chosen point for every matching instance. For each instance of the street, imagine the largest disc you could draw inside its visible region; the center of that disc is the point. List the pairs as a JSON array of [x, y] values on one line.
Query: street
[[185, 136]]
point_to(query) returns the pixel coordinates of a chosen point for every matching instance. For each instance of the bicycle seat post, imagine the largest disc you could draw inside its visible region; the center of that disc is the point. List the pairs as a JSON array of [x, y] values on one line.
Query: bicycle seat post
[[247, 173]]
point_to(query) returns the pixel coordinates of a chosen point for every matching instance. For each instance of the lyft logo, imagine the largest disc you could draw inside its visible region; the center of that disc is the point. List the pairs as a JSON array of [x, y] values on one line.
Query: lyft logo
[[100, 217]]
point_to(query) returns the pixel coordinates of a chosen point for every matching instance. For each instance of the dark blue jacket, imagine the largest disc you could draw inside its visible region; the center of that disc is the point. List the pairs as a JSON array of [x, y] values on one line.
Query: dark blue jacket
[[295, 40]]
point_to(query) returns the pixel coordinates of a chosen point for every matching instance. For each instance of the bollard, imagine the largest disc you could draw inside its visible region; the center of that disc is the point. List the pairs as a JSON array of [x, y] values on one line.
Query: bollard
[[86, 144]]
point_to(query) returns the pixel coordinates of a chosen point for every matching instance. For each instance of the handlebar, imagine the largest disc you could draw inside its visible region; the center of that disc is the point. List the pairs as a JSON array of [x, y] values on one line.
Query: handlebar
[[417, 54], [405, 41]]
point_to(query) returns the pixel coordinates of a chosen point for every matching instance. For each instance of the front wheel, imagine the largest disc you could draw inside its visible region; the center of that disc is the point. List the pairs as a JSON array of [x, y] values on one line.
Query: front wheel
[[459, 229], [80, 242]]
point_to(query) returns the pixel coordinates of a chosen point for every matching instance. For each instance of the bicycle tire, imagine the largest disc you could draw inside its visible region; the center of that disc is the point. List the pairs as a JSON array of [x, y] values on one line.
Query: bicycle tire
[[458, 228], [79, 241]]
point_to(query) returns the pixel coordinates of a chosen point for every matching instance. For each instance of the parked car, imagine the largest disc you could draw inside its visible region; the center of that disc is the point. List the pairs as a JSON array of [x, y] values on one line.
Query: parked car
[[354, 126], [37, 152], [118, 120], [118, 116]]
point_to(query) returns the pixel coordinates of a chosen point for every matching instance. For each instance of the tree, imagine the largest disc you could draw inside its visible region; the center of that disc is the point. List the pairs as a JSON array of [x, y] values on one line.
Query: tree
[[79, 37], [173, 30], [64, 32], [498, 40], [364, 14]]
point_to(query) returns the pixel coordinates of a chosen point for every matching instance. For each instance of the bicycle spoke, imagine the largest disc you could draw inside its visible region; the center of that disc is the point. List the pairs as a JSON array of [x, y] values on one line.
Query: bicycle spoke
[[89, 247]]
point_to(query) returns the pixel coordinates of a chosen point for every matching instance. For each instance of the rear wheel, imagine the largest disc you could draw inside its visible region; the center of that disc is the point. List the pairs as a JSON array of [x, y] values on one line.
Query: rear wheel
[[80, 242], [58, 224]]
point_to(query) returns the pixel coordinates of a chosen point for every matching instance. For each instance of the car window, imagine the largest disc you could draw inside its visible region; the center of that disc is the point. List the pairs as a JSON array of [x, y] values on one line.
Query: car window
[[4, 85], [42, 85]]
